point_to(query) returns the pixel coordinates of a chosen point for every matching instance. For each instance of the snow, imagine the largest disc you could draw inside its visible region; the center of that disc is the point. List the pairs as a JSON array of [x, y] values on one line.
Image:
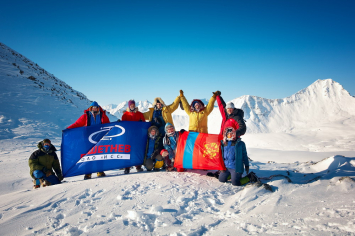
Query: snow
[[307, 138]]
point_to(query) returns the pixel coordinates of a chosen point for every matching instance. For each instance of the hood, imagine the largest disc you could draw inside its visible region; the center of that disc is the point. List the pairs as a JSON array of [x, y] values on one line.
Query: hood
[[233, 133], [160, 100], [192, 108], [168, 124], [154, 127], [135, 109], [40, 146], [100, 109]]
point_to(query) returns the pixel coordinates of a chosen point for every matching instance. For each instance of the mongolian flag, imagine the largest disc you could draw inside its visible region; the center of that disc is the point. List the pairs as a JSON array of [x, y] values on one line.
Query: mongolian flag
[[199, 151]]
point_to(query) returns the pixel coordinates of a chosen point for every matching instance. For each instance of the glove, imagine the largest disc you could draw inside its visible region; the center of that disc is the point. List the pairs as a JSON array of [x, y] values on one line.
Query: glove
[[247, 169], [215, 94], [182, 131], [181, 93], [165, 154], [48, 173]]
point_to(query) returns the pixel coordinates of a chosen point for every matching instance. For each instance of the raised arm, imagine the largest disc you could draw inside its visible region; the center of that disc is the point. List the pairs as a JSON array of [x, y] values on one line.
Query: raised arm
[[221, 106], [210, 105], [172, 107], [184, 102]]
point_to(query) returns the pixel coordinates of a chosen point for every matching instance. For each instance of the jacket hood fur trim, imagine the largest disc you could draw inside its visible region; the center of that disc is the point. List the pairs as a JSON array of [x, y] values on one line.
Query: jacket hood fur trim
[[160, 100], [192, 108], [135, 109]]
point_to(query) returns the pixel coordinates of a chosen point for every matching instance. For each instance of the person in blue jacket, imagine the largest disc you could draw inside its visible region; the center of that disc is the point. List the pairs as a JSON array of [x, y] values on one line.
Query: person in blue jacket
[[234, 155]]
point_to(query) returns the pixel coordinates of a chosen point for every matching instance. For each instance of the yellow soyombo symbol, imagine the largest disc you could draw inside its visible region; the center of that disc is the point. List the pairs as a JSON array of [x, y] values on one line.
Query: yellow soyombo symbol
[[211, 150]]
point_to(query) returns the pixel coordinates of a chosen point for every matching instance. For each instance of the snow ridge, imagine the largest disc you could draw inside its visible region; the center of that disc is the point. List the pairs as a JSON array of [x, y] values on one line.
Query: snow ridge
[[34, 102]]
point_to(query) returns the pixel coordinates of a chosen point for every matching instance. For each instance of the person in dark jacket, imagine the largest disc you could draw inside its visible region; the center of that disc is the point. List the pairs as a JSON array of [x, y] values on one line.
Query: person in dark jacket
[[230, 114], [153, 159], [94, 115], [42, 163], [234, 155]]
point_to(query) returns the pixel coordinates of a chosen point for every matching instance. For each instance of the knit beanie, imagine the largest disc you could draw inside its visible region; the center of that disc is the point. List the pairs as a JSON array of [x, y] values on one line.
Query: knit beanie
[[130, 102], [230, 105]]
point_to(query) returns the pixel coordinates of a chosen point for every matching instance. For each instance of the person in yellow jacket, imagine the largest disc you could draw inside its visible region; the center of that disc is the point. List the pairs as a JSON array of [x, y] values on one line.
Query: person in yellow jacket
[[160, 114], [197, 112]]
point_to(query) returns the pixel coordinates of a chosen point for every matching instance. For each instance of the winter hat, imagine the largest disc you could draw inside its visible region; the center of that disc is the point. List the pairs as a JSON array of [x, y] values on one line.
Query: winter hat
[[130, 102], [168, 125], [94, 104], [230, 105], [46, 141]]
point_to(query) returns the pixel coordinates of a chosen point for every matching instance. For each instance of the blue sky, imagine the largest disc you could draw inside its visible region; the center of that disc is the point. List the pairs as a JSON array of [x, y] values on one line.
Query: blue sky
[[113, 51]]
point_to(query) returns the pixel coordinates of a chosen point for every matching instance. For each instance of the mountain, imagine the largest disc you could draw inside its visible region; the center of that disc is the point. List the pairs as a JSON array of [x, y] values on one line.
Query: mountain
[[323, 102], [118, 110], [34, 103]]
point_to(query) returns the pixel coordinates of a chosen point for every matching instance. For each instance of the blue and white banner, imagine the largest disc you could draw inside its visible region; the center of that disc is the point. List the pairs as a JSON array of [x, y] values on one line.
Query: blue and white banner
[[103, 147]]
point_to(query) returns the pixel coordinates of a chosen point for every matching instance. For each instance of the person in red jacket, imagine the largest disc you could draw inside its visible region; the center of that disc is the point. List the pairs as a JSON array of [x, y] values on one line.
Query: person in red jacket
[[231, 116], [132, 114], [94, 115]]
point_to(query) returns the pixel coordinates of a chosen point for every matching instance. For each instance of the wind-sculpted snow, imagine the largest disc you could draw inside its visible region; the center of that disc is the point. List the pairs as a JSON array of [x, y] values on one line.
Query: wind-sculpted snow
[[318, 202]]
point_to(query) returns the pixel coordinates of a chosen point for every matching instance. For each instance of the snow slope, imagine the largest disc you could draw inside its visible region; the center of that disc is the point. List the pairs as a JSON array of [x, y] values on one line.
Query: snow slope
[[34, 103], [301, 146]]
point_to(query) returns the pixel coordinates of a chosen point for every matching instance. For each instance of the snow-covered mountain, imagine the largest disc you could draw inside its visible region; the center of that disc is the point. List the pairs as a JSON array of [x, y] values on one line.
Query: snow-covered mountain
[[323, 102], [118, 110], [34, 103], [311, 189]]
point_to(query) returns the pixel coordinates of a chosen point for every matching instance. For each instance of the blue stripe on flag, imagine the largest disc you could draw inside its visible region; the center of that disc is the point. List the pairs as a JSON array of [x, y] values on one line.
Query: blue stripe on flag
[[189, 150]]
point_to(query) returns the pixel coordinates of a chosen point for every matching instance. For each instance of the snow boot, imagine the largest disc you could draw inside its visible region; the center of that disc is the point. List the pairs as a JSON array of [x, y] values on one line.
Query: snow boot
[[126, 170], [45, 183], [87, 176], [36, 183], [101, 174]]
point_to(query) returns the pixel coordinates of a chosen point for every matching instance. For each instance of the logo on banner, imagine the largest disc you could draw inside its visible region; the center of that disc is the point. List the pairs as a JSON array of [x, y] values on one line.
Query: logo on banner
[[106, 129]]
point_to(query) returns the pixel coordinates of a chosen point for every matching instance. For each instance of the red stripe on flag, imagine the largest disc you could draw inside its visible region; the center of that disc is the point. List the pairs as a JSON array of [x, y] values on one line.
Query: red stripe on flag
[[179, 156], [197, 161]]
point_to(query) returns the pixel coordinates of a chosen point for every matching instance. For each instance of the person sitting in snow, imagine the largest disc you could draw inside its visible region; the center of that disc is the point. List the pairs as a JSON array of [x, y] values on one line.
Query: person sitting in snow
[[132, 114], [160, 114], [198, 113], [153, 159], [42, 163], [170, 144], [234, 155], [230, 114], [94, 115]]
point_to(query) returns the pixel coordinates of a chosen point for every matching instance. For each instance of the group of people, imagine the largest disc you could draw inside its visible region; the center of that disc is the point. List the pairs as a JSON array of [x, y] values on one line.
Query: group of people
[[162, 138]]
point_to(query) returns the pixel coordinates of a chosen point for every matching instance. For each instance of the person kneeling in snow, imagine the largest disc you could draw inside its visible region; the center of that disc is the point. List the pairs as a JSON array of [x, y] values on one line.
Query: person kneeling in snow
[[153, 159], [170, 143], [234, 155], [42, 162]]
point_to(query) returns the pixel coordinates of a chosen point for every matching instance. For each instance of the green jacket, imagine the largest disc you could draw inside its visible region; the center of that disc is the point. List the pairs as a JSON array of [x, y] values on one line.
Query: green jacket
[[41, 159]]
